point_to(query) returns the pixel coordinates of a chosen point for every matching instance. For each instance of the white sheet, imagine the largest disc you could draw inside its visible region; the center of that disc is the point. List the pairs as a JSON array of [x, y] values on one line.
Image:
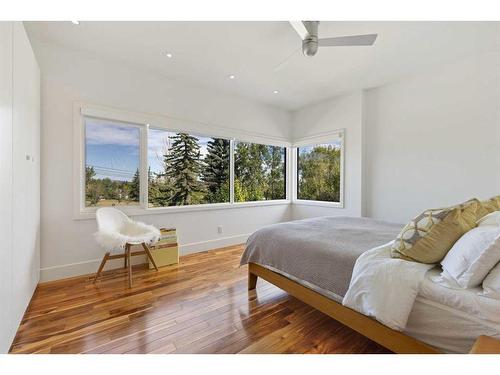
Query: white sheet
[[451, 319], [385, 288], [469, 301]]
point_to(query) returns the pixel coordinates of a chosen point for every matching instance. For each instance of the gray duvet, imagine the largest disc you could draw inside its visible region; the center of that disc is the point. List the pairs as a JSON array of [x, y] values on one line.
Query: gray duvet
[[320, 252]]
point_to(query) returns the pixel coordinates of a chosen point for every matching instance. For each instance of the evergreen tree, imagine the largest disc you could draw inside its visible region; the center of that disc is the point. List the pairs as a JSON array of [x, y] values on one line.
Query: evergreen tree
[[182, 167], [216, 171], [134, 187], [159, 190]]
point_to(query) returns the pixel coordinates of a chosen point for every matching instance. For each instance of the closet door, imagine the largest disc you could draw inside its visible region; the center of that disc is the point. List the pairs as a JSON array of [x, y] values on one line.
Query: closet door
[[26, 163], [7, 328]]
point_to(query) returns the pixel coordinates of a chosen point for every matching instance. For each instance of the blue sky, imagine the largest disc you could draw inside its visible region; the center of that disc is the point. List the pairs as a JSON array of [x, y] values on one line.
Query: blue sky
[[113, 149]]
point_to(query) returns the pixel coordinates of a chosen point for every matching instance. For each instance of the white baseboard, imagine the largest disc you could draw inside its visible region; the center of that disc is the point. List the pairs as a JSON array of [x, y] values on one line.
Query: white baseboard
[[90, 266]]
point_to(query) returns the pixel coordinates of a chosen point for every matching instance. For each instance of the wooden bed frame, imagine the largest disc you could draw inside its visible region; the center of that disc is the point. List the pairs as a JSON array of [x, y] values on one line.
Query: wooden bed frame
[[393, 340]]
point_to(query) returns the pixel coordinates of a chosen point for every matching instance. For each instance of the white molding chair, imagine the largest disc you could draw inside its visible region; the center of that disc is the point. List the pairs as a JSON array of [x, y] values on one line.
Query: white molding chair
[[117, 233]]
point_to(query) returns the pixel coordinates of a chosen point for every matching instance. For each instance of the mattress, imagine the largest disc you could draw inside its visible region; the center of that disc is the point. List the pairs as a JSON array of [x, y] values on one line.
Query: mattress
[[320, 252], [452, 319]]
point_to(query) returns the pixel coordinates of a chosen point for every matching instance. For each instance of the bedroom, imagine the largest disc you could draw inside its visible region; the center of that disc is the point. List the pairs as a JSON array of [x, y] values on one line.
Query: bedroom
[[255, 194]]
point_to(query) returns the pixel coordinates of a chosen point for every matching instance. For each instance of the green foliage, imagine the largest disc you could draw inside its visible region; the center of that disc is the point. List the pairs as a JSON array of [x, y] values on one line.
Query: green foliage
[[183, 165], [276, 177], [99, 192], [190, 178], [215, 172], [259, 172], [319, 174], [160, 190], [135, 187]]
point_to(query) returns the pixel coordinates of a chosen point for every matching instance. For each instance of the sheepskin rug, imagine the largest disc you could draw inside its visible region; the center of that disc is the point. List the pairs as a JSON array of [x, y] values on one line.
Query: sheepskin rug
[[133, 232]]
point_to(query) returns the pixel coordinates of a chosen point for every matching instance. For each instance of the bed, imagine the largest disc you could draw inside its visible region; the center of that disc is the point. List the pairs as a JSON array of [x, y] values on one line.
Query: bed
[[313, 260]]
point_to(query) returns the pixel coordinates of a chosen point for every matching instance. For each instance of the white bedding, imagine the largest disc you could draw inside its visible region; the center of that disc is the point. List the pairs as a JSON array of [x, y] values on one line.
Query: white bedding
[[383, 287], [404, 296], [468, 301], [451, 319]]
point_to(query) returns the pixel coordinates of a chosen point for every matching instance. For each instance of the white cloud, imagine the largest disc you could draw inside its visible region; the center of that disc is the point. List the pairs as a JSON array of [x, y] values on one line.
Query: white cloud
[[98, 132]]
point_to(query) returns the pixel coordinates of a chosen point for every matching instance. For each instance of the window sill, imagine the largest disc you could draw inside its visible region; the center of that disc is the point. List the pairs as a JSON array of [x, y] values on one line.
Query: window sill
[[138, 211], [302, 202]]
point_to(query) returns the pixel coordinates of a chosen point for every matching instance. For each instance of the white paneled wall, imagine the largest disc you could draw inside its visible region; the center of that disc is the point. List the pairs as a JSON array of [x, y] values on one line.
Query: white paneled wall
[[19, 176], [7, 329]]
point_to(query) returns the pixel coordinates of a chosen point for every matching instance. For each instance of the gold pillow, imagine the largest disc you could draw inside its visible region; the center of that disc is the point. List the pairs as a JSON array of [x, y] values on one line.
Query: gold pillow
[[429, 236]]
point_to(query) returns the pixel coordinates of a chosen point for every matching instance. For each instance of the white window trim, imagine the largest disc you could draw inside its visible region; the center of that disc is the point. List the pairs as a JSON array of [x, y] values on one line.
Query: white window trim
[[317, 139], [81, 109]]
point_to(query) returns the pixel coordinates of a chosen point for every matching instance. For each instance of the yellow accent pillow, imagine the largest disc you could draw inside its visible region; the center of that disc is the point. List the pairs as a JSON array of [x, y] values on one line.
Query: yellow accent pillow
[[429, 236], [492, 204]]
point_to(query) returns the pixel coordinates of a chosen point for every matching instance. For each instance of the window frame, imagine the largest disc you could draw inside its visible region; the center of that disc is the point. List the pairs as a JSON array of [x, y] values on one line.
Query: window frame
[[144, 122], [311, 141]]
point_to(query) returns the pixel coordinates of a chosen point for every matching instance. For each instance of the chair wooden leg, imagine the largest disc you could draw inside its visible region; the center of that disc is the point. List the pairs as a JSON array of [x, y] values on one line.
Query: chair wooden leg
[[150, 256], [125, 264], [104, 260], [127, 255]]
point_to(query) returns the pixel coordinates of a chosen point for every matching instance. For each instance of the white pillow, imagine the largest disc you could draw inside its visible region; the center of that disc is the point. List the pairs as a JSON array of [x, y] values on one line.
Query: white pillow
[[490, 219], [473, 256], [491, 284]]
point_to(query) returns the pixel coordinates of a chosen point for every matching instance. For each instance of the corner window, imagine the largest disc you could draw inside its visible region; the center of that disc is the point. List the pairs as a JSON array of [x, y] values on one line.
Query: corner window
[[319, 172], [259, 172], [112, 163]]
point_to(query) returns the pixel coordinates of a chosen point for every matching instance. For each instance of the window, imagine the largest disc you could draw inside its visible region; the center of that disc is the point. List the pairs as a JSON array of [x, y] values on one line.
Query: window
[[112, 160], [135, 162], [259, 172], [185, 169], [319, 172]]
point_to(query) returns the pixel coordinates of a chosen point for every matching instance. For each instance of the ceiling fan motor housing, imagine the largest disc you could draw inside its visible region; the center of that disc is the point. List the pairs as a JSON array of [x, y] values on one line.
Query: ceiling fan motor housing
[[310, 44]]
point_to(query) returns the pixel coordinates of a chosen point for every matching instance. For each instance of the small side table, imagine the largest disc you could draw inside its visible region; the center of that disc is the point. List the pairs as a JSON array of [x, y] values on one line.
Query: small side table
[[486, 345]]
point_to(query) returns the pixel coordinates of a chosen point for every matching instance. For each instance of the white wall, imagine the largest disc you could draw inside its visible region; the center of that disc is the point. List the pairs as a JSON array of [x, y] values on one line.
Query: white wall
[[19, 176], [342, 112], [68, 246], [429, 140], [434, 139]]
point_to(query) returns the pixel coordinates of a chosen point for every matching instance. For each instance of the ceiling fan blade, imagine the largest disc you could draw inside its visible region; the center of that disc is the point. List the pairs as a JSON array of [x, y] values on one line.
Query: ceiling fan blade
[[300, 28], [353, 40], [285, 62]]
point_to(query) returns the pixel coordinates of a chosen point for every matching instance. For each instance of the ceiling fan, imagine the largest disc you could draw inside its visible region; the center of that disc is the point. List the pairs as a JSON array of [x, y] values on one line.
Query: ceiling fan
[[308, 32]]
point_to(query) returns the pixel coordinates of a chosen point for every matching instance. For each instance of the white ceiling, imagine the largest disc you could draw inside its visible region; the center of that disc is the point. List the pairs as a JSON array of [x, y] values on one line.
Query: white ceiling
[[205, 53]]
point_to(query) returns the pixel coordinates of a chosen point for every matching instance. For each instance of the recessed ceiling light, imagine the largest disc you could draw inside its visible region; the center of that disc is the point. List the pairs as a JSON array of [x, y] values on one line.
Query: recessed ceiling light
[[75, 22], [275, 92], [169, 55], [232, 76]]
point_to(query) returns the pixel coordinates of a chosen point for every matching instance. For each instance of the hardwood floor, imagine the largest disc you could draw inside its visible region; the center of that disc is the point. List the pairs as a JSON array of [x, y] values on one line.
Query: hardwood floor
[[199, 306]]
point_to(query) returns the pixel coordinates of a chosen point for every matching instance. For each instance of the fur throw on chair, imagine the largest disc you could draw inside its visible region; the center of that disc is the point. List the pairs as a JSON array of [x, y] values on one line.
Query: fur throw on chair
[[132, 232]]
